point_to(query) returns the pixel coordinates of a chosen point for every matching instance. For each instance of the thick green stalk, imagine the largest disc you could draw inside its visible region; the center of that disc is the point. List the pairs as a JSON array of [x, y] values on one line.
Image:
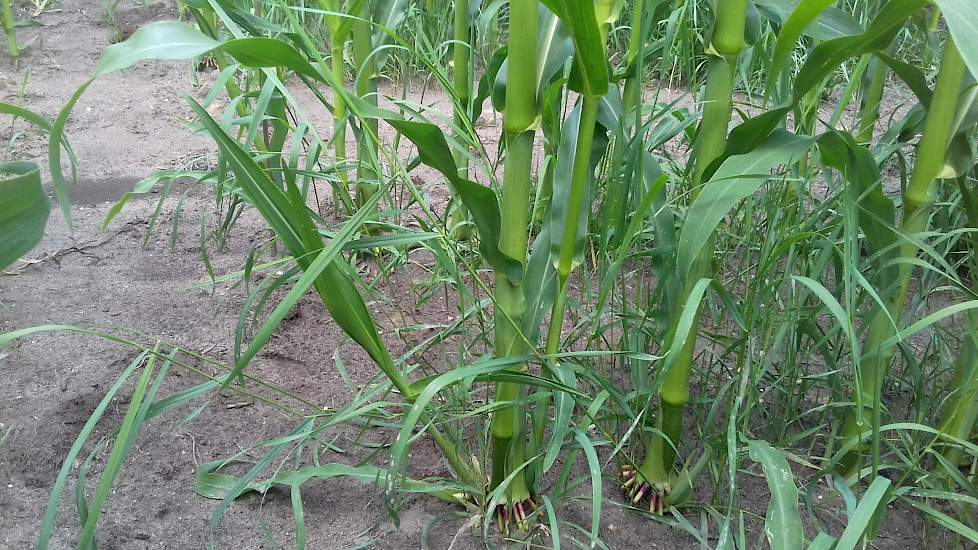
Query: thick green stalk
[[917, 198], [519, 118], [461, 52], [366, 89], [728, 43]]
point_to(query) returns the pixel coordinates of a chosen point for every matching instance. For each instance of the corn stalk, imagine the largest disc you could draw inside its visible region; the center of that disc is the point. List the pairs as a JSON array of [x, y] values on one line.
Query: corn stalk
[[654, 478], [508, 423], [462, 87], [877, 349]]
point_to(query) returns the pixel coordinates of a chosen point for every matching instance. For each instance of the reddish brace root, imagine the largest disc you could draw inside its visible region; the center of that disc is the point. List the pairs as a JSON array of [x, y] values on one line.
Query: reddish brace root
[[505, 514], [636, 489]]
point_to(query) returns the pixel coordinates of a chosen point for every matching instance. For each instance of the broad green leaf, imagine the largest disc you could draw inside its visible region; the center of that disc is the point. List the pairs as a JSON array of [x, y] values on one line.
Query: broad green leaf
[[783, 523], [269, 52], [28, 115], [736, 179], [480, 200], [554, 47], [877, 212], [822, 541], [589, 51], [961, 17], [24, 210], [387, 16], [829, 23], [827, 56], [162, 40], [557, 215], [911, 75]]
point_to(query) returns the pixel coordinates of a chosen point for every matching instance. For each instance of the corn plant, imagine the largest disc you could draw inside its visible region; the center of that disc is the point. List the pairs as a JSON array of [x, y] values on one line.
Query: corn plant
[[638, 260]]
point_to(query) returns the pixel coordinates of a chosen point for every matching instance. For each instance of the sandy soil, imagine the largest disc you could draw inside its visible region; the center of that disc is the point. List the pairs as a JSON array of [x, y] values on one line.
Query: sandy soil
[[127, 126]]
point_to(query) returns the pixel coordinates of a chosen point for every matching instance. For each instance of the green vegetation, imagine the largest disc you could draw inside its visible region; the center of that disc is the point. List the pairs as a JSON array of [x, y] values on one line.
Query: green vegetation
[[773, 273]]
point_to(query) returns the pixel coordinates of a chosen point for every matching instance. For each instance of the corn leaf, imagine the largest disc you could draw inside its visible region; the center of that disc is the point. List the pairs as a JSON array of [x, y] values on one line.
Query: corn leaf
[[24, 210], [557, 215], [737, 178], [387, 16], [268, 52], [591, 63], [794, 27], [830, 22], [828, 55], [783, 523], [961, 17], [162, 40], [480, 200], [291, 221]]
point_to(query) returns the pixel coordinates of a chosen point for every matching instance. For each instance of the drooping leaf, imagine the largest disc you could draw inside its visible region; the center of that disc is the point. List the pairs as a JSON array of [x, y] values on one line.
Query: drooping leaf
[[291, 221], [268, 52], [480, 200], [161, 40], [828, 23]]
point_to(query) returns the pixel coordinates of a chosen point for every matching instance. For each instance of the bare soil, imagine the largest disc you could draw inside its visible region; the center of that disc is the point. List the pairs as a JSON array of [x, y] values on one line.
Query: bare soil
[[127, 126]]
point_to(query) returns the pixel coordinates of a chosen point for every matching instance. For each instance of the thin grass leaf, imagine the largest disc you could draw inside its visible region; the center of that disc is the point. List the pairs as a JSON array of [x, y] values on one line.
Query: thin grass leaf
[[864, 513], [131, 425], [594, 470]]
